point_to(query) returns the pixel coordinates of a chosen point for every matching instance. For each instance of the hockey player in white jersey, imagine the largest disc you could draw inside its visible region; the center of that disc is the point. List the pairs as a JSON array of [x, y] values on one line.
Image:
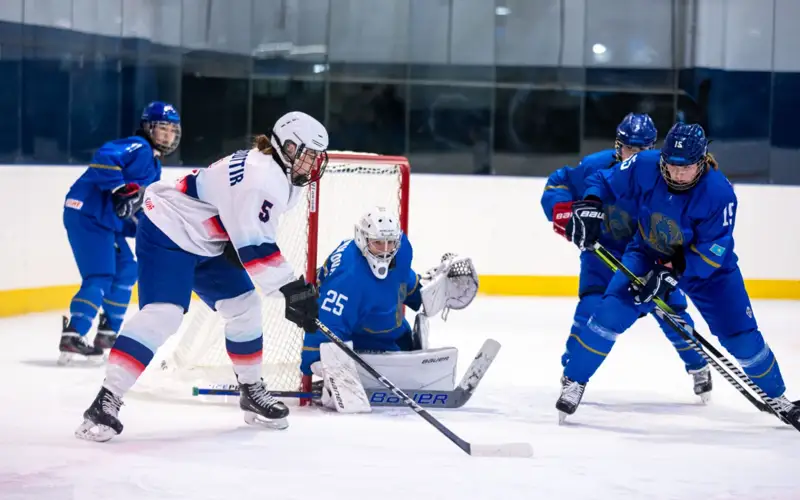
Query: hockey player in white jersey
[[214, 233]]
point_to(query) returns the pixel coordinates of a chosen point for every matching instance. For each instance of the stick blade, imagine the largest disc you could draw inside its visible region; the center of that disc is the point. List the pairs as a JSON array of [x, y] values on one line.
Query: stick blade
[[510, 450]]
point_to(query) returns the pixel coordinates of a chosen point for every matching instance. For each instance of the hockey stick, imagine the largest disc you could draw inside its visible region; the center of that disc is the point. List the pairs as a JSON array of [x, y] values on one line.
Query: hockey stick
[[456, 398], [522, 450], [669, 316], [683, 327]]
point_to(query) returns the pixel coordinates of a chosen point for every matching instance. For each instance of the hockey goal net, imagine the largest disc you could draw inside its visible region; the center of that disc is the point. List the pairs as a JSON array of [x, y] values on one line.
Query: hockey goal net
[[196, 355]]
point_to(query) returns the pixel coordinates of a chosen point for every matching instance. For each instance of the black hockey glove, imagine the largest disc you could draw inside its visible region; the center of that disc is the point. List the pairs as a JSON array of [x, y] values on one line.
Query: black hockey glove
[[586, 224], [678, 262], [659, 282], [127, 200], [301, 304]]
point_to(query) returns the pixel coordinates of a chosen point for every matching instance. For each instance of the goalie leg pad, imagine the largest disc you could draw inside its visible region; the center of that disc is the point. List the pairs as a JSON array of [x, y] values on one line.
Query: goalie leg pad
[[420, 332], [342, 389], [431, 369]]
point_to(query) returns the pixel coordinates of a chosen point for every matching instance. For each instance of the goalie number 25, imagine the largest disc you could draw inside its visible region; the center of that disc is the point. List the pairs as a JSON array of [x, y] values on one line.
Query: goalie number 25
[[335, 299]]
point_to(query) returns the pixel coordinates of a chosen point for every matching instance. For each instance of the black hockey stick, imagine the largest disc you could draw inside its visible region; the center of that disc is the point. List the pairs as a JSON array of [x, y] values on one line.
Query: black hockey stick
[[522, 450], [663, 310], [456, 398], [669, 315]]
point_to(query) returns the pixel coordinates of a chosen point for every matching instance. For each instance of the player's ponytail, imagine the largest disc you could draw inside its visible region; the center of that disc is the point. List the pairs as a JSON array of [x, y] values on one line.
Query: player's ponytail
[[262, 144], [711, 161]]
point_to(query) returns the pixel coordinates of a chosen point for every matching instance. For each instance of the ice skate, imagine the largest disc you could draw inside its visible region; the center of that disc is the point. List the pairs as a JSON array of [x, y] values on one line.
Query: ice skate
[[261, 408], [106, 336], [790, 412], [571, 394], [702, 383], [73, 346], [100, 422]]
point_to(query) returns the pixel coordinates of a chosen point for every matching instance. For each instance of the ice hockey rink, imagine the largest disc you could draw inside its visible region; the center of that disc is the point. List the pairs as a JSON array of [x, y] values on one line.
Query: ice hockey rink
[[640, 433]]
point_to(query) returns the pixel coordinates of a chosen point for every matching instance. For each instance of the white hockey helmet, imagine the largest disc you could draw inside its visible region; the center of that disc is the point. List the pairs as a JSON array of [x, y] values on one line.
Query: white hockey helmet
[[302, 143], [378, 236]]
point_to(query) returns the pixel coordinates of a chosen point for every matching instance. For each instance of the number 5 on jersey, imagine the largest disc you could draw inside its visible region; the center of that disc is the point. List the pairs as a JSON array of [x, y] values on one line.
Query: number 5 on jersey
[[263, 216], [335, 299]]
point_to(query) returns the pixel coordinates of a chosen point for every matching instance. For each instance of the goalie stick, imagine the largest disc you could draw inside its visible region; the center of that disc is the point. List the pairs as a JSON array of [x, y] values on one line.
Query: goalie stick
[[456, 398], [669, 315], [521, 450]]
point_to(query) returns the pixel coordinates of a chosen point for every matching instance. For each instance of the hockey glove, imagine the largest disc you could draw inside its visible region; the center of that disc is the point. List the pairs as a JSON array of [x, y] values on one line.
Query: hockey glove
[[562, 213], [127, 200], [586, 224], [659, 282], [301, 304], [676, 262]]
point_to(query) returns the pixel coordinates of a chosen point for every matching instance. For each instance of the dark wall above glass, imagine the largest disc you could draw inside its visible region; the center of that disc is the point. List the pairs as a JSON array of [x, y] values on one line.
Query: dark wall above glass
[[503, 87]]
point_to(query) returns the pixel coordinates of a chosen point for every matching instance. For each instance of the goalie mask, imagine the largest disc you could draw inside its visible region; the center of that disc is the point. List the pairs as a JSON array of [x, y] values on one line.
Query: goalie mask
[[378, 236], [301, 142]]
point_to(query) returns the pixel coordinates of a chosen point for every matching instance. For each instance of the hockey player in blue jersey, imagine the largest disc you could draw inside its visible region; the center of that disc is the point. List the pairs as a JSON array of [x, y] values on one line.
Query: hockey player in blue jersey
[[635, 133], [99, 213], [363, 288], [687, 210]]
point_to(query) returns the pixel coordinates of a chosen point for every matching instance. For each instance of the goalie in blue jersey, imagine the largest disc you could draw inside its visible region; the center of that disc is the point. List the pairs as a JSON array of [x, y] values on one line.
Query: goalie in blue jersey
[[686, 210], [635, 133], [364, 286], [100, 212]]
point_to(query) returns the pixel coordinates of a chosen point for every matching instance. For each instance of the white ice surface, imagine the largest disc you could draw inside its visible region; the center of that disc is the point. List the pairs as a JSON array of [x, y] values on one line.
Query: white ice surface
[[639, 434]]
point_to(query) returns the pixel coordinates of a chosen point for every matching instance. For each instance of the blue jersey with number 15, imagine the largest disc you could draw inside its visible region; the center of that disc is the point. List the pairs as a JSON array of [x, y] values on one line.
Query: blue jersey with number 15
[[357, 306]]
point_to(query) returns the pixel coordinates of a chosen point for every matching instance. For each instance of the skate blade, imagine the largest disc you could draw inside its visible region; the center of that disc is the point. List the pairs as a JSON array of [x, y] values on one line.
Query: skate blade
[[562, 417], [90, 431], [257, 420], [705, 398], [65, 358], [73, 358]]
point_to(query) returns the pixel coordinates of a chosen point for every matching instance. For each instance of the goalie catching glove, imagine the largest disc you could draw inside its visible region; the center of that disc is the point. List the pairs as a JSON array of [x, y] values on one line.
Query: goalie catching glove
[[452, 284]]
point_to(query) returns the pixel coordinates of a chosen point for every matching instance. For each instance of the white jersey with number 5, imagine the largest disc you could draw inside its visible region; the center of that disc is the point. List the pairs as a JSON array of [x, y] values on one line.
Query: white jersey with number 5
[[238, 199]]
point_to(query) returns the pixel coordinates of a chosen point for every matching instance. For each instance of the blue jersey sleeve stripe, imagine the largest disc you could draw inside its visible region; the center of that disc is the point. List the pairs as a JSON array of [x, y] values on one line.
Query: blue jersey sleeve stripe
[[259, 253]]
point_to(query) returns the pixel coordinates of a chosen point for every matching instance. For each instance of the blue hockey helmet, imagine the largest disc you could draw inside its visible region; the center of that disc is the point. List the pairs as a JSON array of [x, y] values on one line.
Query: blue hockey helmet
[[637, 130], [685, 146], [162, 125]]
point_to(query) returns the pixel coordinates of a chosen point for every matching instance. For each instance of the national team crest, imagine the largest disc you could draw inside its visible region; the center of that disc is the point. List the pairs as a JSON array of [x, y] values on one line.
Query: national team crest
[[618, 223], [665, 234]]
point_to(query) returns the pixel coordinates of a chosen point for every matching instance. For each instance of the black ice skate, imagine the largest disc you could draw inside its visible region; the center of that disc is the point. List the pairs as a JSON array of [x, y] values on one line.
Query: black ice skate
[[702, 383], [790, 412], [571, 394], [106, 336], [261, 408], [100, 422], [73, 344]]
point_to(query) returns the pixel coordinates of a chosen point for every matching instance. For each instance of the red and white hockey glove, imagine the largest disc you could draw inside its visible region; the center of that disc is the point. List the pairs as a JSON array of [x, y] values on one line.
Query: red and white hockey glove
[[562, 212]]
